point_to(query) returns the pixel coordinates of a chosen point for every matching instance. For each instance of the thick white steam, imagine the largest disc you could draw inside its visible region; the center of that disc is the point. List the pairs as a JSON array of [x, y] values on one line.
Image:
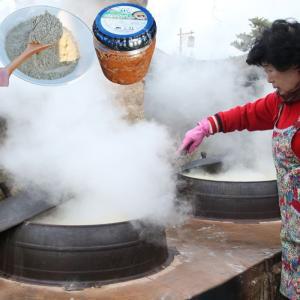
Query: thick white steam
[[73, 140], [182, 91]]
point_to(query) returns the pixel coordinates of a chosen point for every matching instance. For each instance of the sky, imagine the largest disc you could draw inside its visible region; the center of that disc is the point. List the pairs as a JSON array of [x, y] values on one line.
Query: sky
[[215, 22]]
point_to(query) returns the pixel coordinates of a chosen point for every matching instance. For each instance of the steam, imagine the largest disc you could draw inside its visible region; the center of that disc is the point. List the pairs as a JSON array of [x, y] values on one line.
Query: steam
[[72, 140], [181, 91]]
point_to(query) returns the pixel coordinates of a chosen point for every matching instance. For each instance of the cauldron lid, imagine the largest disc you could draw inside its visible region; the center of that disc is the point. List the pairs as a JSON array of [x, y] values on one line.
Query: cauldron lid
[[202, 162], [27, 204]]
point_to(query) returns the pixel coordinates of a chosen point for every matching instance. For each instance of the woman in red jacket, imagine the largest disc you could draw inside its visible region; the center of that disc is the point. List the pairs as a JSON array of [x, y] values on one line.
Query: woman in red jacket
[[278, 52]]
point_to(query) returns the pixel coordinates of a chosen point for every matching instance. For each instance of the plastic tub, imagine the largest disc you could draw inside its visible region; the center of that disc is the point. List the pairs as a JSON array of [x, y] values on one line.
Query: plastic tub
[[79, 29], [124, 40]]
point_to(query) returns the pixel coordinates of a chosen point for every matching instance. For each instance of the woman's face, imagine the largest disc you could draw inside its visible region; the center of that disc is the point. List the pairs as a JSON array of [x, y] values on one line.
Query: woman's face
[[284, 81]]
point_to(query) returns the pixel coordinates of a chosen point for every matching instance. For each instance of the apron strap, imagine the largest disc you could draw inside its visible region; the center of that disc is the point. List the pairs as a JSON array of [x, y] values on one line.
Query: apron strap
[[279, 114]]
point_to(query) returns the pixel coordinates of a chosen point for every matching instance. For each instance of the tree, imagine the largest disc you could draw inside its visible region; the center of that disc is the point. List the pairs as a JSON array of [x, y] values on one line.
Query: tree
[[245, 40]]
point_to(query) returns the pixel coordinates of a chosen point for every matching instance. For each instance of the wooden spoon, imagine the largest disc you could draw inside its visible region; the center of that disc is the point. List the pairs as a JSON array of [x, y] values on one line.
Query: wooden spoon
[[32, 48]]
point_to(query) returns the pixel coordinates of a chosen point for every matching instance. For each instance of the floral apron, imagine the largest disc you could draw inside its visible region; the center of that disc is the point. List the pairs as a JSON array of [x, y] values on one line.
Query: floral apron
[[288, 179]]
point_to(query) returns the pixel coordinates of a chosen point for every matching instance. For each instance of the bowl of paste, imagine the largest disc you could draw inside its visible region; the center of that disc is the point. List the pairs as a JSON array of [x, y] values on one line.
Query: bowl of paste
[[68, 59]]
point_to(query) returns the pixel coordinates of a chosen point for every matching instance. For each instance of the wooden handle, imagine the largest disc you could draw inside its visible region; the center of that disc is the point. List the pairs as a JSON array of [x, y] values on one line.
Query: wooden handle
[[29, 51], [17, 62]]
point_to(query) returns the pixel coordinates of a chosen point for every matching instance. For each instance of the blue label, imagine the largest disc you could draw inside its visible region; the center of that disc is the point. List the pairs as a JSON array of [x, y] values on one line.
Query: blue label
[[124, 20]]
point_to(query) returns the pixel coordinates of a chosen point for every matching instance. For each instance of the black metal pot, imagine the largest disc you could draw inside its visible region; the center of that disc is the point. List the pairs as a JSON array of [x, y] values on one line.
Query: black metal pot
[[80, 256], [228, 199]]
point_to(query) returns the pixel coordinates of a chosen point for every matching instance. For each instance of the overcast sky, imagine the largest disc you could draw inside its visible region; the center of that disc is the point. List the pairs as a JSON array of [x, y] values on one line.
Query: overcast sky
[[215, 22]]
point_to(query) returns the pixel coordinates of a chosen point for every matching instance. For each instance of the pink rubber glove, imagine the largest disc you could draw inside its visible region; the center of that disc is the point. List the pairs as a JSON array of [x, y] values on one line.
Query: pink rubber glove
[[4, 77], [194, 137]]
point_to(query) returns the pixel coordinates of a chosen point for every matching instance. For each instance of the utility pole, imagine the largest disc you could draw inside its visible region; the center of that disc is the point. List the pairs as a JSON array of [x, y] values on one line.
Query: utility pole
[[181, 35]]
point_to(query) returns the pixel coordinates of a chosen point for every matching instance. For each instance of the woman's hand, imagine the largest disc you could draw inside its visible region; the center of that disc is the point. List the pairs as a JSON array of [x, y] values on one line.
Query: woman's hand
[[4, 77], [194, 137]]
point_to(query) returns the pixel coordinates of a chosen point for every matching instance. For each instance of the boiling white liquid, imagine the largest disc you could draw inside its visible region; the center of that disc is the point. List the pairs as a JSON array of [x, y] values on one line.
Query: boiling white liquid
[[73, 220], [232, 175], [76, 212]]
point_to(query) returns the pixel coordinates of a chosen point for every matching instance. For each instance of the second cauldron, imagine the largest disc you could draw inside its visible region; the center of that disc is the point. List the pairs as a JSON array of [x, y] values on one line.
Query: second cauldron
[[237, 200]]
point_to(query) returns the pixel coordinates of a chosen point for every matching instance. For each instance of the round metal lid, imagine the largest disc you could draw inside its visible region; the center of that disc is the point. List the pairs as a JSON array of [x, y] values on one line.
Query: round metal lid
[[124, 27]]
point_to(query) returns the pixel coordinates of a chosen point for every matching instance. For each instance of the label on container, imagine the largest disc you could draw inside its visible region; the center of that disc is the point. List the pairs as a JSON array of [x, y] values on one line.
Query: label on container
[[124, 20]]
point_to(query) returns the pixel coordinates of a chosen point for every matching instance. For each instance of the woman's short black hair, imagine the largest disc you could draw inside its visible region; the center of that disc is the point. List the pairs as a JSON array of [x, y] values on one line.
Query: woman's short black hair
[[278, 45]]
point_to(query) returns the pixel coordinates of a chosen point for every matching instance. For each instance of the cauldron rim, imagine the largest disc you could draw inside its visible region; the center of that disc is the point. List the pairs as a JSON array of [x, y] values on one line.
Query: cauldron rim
[[226, 181], [84, 225], [231, 182]]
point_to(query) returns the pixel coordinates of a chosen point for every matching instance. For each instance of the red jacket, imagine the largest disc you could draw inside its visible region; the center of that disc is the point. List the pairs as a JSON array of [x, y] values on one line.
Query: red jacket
[[259, 115]]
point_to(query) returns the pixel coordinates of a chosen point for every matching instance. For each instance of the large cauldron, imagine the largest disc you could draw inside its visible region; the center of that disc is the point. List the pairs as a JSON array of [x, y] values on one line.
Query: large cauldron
[[228, 199], [80, 256]]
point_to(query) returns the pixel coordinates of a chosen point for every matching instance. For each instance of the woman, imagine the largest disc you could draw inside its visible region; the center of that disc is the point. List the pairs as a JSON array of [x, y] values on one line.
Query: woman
[[4, 78], [278, 52]]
